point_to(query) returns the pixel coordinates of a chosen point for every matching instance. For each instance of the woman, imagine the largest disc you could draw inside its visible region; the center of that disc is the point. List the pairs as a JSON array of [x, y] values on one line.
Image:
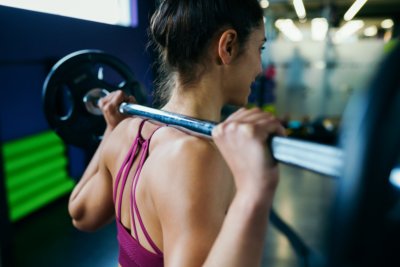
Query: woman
[[179, 199]]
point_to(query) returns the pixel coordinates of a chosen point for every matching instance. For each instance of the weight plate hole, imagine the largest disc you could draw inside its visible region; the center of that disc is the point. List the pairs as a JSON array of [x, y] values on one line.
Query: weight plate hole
[[64, 103]]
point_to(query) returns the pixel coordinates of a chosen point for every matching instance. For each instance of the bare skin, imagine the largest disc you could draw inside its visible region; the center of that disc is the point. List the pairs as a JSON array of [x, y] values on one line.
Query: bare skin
[[204, 203]]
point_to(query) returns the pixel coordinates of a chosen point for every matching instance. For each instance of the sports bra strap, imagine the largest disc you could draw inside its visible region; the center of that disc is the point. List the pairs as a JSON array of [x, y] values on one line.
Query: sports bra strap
[[126, 166], [139, 148], [141, 127], [133, 202]]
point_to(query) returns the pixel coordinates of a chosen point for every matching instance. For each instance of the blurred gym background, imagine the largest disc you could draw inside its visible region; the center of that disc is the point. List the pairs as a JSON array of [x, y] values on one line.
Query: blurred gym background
[[319, 53]]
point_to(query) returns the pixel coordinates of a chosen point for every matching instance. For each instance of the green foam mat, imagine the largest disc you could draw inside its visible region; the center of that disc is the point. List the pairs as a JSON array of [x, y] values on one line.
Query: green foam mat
[[36, 173]]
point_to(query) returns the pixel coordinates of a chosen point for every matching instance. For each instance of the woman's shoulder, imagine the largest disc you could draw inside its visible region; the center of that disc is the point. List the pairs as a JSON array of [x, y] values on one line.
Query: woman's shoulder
[[178, 144], [193, 166], [181, 154]]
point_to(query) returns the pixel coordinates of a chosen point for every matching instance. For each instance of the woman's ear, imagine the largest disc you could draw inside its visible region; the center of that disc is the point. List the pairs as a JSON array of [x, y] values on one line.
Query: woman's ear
[[227, 46]]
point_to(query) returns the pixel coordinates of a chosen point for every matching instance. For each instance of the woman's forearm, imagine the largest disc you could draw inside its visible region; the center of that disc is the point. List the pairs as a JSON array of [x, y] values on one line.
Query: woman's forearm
[[241, 239]]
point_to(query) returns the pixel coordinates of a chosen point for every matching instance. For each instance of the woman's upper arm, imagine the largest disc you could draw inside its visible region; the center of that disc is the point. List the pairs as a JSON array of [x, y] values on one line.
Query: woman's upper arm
[[93, 206], [193, 203]]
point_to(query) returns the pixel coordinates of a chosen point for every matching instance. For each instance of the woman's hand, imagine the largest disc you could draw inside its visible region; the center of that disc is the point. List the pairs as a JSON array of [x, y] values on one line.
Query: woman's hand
[[242, 141], [110, 107]]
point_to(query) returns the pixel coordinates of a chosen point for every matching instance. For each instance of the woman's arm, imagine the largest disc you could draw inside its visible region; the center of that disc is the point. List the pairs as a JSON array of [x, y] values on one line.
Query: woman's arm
[[199, 226], [91, 204], [241, 239]]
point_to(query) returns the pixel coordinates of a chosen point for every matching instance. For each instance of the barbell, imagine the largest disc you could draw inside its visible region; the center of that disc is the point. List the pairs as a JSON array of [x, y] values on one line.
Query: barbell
[[82, 124], [368, 148]]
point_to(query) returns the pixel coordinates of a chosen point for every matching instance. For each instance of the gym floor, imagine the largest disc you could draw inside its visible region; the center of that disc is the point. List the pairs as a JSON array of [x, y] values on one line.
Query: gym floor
[[47, 238]]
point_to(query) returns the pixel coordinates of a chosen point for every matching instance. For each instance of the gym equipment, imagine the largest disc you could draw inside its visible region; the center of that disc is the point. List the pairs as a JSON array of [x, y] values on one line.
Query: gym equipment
[[364, 231], [66, 86], [81, 124]]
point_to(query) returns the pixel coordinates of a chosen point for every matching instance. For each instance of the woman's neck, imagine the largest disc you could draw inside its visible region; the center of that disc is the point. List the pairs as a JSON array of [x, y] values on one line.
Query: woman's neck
[[202, 101]]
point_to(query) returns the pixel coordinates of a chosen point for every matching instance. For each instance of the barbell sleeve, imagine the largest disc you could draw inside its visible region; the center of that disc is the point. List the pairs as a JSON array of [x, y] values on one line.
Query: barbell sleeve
[[315, 157]]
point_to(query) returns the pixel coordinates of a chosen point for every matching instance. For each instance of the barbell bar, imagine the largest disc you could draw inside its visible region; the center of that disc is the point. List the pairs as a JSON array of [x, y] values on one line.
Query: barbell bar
[[318, 158]]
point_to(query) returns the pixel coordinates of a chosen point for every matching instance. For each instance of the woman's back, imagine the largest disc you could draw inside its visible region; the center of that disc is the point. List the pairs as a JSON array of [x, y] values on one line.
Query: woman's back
[[164, 194]]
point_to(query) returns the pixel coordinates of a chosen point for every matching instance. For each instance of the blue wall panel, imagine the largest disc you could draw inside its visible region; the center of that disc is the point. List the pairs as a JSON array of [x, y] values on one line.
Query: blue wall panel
[[31, 42]]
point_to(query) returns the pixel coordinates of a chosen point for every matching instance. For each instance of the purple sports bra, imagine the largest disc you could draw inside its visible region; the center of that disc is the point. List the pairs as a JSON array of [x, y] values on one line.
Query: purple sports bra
[[131, 252]]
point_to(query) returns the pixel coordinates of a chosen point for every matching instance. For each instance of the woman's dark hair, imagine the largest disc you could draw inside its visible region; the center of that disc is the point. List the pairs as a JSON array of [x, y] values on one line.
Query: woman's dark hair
[[181, 31]]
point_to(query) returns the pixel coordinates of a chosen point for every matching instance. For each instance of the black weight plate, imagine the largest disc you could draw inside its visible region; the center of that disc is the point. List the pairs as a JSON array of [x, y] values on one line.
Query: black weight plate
[[359, 231], [68, 82]]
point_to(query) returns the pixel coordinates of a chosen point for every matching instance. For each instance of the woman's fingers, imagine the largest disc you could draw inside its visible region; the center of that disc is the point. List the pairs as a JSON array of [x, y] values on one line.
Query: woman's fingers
[[254, 120], [110, 107]]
